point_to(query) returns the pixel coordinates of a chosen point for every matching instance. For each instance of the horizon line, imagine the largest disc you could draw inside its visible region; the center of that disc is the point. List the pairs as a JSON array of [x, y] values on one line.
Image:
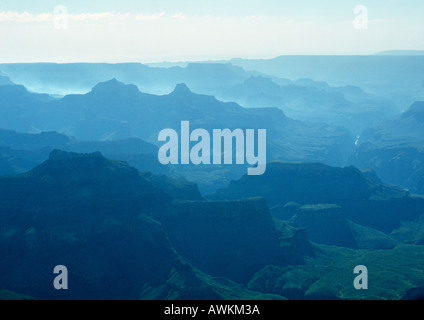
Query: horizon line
[[398, 53]]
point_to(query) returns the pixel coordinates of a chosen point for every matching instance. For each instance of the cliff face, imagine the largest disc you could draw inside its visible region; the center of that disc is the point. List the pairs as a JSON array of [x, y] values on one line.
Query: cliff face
[[336, 206], [188, 283], [227, 239], [100, 254], [306, 183]]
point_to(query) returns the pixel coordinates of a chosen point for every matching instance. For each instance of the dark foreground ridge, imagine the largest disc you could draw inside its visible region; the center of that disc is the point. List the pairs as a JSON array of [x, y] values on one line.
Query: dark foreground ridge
[[103, 219]]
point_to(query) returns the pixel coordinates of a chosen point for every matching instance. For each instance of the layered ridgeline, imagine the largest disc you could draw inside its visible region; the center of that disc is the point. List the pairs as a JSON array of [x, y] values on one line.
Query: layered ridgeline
[[20, 152], [116, 230], [207, 78], [301, 99], [338, 206], [397, 77], [115, 111], [394, 149], [315, 101]]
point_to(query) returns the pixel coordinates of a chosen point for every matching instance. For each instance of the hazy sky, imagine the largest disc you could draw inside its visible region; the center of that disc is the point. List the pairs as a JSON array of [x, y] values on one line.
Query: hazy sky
[[171, 30]]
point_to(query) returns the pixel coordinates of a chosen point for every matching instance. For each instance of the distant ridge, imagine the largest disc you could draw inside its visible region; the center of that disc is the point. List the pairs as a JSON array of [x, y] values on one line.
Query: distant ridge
[[400, 53], [416, 107], [115, 86], [182, 90], [4, 80]]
